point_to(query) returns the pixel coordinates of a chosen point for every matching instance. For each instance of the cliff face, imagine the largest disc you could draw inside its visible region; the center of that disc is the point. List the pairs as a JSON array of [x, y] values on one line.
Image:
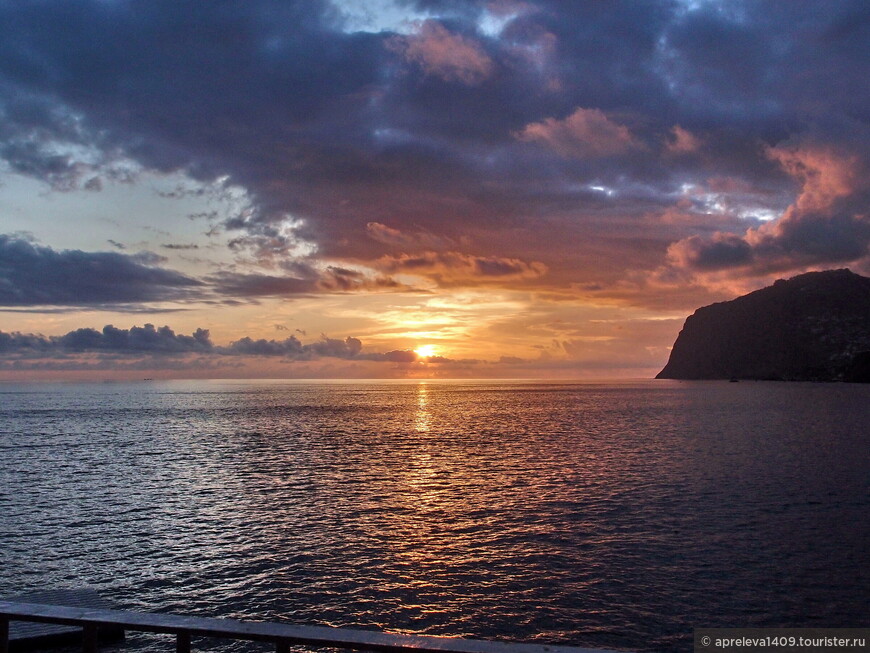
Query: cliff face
[[814, 327]]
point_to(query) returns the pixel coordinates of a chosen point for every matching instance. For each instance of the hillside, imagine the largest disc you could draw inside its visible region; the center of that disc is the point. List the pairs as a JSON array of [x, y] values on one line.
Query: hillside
[[813, 327]]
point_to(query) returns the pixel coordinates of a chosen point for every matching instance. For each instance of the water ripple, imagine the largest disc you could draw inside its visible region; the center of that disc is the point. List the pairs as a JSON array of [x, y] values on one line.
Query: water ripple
[[613, 516]]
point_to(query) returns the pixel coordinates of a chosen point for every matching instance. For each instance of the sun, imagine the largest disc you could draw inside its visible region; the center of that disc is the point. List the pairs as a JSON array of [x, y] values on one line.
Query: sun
[[425, 351]]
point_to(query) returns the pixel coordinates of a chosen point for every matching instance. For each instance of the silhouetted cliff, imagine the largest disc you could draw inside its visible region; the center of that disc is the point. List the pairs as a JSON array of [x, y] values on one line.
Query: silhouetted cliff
[[813, 327]]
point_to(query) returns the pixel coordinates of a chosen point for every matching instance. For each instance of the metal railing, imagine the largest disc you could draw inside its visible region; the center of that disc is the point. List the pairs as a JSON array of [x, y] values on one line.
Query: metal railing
[[282, 636]]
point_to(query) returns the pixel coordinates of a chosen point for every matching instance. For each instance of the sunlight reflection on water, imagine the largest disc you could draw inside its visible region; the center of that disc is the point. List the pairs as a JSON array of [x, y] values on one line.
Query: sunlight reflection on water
[[600, 515], [422, 418]]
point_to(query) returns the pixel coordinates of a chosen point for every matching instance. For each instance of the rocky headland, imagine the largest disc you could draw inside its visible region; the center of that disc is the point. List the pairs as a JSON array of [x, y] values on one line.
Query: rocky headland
[[813, 327]]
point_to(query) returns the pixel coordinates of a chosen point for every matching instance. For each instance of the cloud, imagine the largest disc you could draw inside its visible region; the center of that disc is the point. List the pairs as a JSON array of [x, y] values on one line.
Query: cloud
[[439, 52], [828, 223], [721, 251], [163, 342], [39, 276], [237, 284], [293, 348], [146, 339], [34, 275], [586, 133], [269, 239], [827, 173], [682, 141], [326, 134], [395, 356], [406, 239], [24, 342], [455, 266], [307, 281], [41, 139], [137, 340]]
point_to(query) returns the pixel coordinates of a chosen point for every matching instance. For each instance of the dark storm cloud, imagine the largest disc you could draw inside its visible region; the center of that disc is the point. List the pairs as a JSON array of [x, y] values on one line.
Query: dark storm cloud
[[446, 130], [33, 275]]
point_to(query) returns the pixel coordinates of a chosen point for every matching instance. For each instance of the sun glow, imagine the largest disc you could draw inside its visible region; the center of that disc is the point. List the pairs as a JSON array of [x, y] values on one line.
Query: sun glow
[[425, 351]]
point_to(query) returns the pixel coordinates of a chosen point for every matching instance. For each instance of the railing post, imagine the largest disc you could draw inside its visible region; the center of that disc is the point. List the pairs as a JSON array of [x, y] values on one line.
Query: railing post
[[4, 635], [89, 638], [182, 643]]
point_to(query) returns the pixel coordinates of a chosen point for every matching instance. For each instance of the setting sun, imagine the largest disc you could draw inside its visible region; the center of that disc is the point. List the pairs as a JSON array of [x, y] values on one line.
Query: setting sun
[[425, 351]]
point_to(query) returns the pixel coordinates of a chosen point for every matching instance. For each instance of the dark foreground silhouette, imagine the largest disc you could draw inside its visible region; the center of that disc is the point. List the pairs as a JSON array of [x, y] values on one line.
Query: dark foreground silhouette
[[813, 327]]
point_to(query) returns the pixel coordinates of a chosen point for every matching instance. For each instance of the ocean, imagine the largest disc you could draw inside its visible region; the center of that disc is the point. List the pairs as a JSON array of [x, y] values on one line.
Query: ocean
[[614, 515]]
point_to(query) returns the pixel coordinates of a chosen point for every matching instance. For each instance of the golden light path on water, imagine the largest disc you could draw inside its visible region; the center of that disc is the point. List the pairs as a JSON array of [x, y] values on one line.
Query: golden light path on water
[[422, 416], [605, 515]]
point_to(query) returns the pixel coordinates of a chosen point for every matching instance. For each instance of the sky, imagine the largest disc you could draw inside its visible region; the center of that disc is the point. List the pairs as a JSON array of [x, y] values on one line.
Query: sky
[[414, 189]]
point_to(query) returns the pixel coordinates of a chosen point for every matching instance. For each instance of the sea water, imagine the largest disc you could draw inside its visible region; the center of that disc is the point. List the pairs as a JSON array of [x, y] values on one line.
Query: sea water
[[609, 515]]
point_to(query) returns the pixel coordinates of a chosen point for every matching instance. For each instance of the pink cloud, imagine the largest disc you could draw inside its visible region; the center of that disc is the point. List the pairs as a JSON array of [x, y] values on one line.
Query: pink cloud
[[828, 222], [826, 174], [439, 52], [586, 133], [682, 141]]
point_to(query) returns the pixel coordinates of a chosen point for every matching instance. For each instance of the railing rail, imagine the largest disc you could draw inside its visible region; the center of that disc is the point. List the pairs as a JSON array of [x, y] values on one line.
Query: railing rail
[[281, 635]]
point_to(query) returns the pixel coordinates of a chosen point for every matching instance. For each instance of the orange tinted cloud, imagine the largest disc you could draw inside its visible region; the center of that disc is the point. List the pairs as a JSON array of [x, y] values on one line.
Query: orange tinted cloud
[[455, 266]]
